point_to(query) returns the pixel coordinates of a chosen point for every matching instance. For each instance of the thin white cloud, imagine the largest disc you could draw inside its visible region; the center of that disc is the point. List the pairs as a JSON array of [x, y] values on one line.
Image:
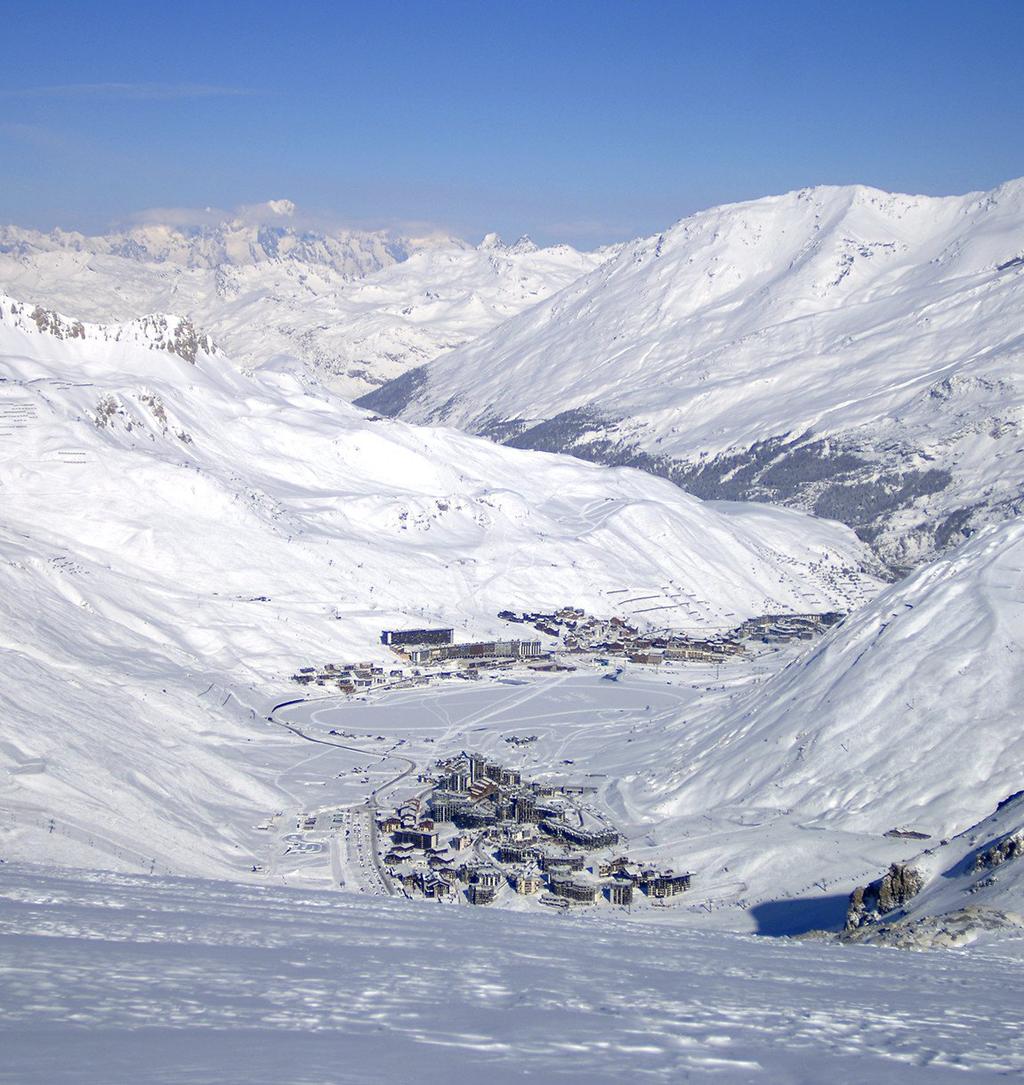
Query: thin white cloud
[[128, 91], [284, 212], [272, 212]]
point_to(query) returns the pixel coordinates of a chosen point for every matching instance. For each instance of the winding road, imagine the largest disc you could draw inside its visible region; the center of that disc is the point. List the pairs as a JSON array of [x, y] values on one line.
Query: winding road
[[370, 806]]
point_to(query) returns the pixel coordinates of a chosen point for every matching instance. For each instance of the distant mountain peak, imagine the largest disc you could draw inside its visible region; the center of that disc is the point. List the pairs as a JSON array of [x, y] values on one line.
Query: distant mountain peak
[[356, 308], [236, 242], [491, 243], [523, 245]]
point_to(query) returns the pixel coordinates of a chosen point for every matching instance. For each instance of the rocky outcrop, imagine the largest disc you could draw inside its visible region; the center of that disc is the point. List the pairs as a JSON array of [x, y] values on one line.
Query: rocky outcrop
[[1008, 847], [952, 930], [157, 331], [870, 903]]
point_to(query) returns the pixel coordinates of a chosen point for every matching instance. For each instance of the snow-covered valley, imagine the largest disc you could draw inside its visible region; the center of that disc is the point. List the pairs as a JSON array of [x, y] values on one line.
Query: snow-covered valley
[[180, 537], [186, 533]]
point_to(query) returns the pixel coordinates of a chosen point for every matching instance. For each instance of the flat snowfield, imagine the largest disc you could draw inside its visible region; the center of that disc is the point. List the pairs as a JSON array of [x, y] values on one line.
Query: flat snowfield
[[114, 979]]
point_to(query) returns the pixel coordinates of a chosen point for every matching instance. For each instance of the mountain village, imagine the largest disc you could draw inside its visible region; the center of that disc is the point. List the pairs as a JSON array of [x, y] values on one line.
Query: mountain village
[[573, 637], [481, 831]]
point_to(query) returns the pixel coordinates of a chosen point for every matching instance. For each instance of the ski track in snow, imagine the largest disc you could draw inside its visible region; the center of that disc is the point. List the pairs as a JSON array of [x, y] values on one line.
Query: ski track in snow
[[115, 980]]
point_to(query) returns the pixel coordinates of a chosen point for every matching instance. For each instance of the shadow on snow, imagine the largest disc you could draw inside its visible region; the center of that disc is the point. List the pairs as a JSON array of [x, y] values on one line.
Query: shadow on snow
[[777, 918]]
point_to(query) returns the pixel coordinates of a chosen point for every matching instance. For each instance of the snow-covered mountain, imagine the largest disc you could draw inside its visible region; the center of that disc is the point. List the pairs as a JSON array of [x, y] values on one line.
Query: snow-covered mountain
[[933, 667], [180, 535], [237, 242], [356, 308], [839, 349], [903, 723]]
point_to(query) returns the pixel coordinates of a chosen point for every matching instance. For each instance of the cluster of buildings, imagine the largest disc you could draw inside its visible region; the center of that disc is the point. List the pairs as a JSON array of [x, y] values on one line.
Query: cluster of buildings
[[576, 632], [777, 628], [419, 648], [349, 677], [430, 646], [579, 633], [481, 831]]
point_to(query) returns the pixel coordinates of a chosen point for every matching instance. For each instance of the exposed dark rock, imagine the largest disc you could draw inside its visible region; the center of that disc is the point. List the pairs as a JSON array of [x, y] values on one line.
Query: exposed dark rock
[[870, 903], [392, 398], [184, 340], [1006, 848], [48, 321]]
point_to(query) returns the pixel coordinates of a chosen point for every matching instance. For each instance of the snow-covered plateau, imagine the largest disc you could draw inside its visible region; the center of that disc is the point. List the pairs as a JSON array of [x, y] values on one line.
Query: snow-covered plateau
[[353, 308], [843, 350]]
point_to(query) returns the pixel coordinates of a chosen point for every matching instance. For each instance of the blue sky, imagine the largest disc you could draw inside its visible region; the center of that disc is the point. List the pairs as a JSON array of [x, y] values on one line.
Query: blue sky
[[584, 121]]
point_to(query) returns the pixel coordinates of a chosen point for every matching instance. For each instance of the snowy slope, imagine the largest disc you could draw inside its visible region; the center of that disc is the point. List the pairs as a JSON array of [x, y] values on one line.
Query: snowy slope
[[356, 308], [969, 886], [905, 717], [128, 980], [179, 536], [841, 349]]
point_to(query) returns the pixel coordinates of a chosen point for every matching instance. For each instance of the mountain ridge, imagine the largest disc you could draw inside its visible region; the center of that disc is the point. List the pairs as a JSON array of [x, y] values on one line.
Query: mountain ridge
[[350, 308], [839, 349]]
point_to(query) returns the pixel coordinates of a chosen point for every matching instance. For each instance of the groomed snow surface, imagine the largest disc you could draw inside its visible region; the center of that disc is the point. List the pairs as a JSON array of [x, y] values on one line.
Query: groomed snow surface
[[122, 980]]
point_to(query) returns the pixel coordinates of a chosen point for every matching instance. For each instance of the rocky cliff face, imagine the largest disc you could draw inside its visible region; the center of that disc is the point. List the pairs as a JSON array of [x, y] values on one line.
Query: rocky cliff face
[[965, 888], [1007, 848]]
